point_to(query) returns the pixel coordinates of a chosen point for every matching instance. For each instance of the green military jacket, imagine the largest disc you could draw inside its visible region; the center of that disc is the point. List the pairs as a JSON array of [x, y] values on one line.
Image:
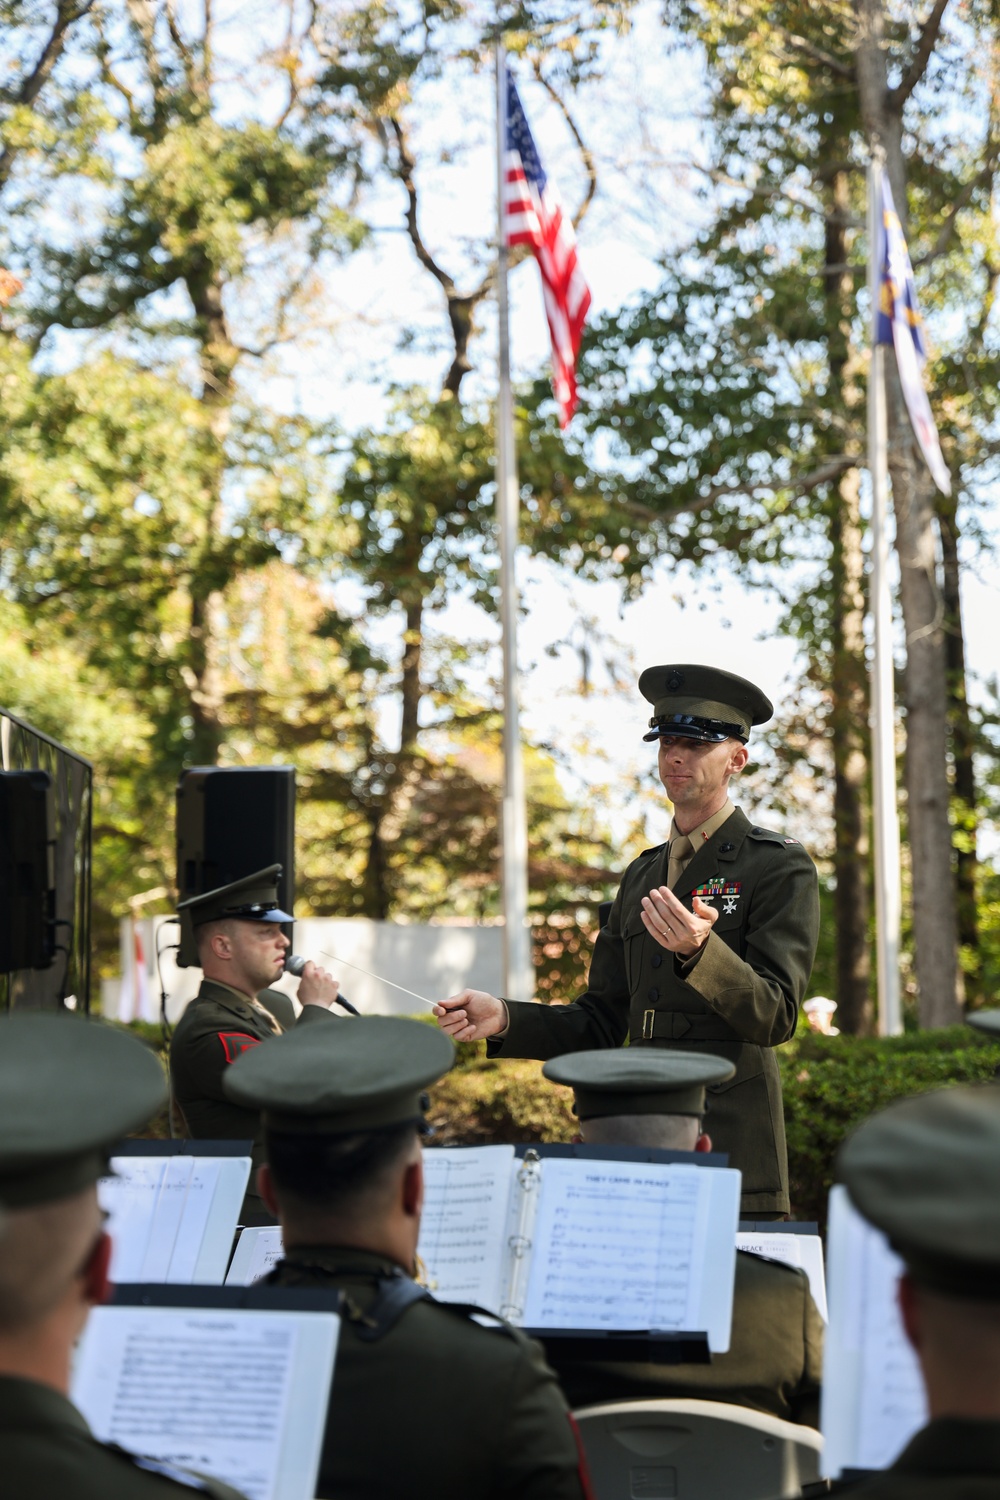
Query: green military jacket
[[738, 998], [438, 1408], [952, 1458], [47, 1452], [214, 1030], [774, 1363]]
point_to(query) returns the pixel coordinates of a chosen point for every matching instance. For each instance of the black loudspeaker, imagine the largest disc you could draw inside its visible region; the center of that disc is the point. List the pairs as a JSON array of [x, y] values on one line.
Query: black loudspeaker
[[232, 821], [27, 879]]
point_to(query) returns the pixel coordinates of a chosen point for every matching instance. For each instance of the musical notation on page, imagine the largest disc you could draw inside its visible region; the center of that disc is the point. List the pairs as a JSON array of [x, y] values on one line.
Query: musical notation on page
[[462, 1229]]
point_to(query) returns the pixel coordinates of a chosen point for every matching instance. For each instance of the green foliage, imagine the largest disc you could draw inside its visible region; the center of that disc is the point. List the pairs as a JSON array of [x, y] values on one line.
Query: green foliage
[[483, 1103], [831, 1084]]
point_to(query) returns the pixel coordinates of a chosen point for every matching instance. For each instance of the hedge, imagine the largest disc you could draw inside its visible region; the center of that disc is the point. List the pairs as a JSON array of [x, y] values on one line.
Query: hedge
[[830, 1084]]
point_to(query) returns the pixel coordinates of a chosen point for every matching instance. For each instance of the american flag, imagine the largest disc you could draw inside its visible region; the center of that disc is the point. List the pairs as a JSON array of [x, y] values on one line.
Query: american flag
[[533, 215]]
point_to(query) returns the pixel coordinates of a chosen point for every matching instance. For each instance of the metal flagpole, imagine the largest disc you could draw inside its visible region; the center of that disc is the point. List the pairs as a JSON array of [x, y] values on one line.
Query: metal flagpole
[[519, 978], [888, 895]]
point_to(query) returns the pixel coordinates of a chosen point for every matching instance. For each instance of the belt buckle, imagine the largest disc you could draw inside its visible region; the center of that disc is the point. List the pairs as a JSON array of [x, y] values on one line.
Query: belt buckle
[[647, 1025]]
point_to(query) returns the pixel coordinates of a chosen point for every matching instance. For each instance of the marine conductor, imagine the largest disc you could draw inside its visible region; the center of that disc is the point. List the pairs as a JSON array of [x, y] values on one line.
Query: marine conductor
[[710, 941]]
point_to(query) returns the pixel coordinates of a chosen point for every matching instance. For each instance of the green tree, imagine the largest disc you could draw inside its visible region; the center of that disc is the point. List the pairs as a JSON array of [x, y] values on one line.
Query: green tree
[[734, 392]]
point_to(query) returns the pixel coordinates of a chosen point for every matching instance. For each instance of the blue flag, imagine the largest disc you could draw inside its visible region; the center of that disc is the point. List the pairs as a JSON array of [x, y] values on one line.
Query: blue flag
[[898, 322]]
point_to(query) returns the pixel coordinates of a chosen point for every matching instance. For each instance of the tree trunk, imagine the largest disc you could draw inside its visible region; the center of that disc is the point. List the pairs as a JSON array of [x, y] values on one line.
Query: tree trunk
[[933, 899], [204, 679], [964, 805], [402, 773], [848, 672]]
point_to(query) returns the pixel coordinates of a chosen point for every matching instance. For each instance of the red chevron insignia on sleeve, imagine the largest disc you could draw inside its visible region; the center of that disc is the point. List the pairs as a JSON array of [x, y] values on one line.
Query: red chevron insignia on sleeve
[[235, 1042]]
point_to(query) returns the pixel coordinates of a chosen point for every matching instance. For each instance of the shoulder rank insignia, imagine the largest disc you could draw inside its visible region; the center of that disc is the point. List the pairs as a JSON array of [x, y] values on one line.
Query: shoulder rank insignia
[[236, 1042]]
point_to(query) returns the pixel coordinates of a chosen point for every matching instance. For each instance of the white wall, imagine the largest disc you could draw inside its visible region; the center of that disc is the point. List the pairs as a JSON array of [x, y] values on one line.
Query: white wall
[[432, 961]]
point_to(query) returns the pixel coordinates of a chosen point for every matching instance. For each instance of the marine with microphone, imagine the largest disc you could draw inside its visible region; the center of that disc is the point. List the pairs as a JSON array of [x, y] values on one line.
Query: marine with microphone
[[295, 964], [237, 930]]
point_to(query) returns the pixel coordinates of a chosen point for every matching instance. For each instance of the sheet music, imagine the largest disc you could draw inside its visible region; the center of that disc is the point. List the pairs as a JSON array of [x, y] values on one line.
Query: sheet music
[[258, 1251], [873, 1395], [172, 1218], [462, 1232], [198, 1203], [623, 1245], [224, 1179], [168, 1213], [129, 1199], [239, 1395], [802, 1250]]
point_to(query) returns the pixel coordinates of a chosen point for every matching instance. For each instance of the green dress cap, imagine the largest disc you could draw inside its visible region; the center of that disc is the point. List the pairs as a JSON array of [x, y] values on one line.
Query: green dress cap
[[987, 1021], [926, 1171], [357, 1075], [702, 703], [254, 898], [640, 1081], [69, 1089]]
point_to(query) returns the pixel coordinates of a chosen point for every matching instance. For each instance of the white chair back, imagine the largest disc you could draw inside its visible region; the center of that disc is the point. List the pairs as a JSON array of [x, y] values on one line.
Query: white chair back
[[695, 1450]]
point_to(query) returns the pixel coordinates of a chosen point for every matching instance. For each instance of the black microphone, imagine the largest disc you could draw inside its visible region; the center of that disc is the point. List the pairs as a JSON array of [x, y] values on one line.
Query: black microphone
[[295, 963]]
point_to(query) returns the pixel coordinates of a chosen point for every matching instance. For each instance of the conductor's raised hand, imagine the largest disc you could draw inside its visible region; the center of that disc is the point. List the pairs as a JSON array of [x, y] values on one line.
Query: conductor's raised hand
[[317, 987], [471, 1016], [675, 928]]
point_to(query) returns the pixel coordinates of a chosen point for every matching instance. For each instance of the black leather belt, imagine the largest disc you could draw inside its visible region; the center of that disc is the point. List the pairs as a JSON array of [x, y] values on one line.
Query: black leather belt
[[673, 1025]]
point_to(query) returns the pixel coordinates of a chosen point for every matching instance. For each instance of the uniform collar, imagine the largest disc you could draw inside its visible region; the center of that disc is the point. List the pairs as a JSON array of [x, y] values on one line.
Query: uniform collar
[[704, 831], [952, 1446], [234, 1000], [343, 1259], [26, 1404]]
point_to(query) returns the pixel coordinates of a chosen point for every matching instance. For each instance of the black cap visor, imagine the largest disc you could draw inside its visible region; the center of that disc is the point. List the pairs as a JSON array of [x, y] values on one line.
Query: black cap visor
[[690, 727], [256, 912]]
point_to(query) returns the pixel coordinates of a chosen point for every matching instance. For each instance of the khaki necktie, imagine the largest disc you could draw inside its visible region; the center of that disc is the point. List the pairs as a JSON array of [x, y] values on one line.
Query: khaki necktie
[[266, 1015], [679, 857]]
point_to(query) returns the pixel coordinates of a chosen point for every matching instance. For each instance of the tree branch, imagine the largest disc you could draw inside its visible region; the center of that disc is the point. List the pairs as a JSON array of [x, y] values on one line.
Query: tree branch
[[586, 155], [918, 65], [460, 305], [803, 484], [67, 13]]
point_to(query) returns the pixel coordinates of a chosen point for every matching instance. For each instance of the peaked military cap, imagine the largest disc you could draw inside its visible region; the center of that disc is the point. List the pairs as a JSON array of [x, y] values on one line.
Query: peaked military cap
[[357, 1075], [702, 703], [639, 1081], [926, 1171], [69, 1089], [254, 898], [986, 1021]]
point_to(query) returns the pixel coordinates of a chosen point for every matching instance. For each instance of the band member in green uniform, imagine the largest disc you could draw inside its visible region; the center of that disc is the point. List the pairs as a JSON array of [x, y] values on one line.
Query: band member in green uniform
[[710, 941], [241, 949], [926, 1171], [646, 1097], [69, 1089], [426, 1401]]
